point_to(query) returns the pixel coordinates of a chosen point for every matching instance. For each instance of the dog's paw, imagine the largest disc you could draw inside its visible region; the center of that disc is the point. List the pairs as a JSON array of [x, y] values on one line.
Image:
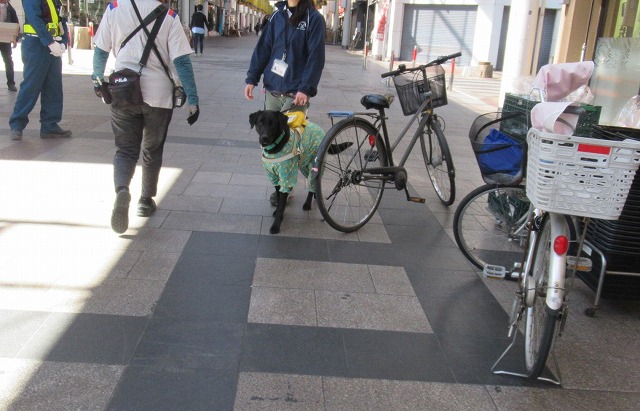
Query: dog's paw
[[306, 207], [275, 229]]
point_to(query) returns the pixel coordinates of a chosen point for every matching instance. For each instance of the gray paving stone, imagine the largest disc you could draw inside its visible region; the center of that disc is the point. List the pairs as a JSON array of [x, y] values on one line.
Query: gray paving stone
[[224, 190], [34, 385], [391, 280], [188, 220], [383, 395], [282, 306], [371, 311], [520, 398], [312, 275], [262, 391]]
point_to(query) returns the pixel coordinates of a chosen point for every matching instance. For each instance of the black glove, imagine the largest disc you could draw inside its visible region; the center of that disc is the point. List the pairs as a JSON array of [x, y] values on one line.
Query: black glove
[[194, 113], [96, 88], [101, 90]]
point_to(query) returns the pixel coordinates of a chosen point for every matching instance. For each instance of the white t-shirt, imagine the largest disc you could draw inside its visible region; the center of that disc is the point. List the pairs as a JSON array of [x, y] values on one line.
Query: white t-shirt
[[118, 21]]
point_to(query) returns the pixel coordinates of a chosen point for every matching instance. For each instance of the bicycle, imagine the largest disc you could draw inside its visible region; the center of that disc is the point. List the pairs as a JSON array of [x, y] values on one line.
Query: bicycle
[[567, 177], [350, 184], [489, 225]]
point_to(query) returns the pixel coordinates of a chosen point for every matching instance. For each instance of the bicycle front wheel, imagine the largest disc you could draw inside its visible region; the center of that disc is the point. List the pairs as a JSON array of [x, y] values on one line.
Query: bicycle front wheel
[[540, 321], [347, 196], [489, 225], [437, 158]]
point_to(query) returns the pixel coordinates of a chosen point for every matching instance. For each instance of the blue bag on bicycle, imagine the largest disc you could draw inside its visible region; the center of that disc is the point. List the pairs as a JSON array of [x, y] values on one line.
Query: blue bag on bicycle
[[500, 154]]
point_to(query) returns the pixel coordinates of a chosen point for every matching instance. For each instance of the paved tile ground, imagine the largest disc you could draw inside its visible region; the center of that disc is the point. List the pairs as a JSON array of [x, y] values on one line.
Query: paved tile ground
[[198, 307]]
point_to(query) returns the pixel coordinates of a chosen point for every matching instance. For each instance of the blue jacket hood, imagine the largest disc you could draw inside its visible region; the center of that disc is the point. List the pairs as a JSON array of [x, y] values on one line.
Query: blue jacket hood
[[301, 48]]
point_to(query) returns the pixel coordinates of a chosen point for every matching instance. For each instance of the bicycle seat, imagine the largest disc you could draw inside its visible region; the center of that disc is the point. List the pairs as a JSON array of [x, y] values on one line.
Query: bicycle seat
[[376, 101]]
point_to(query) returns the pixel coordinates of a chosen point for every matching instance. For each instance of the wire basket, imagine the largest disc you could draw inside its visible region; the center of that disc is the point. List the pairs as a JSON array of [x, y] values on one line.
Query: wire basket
[[580, 176], [500, 156], [411, 88]]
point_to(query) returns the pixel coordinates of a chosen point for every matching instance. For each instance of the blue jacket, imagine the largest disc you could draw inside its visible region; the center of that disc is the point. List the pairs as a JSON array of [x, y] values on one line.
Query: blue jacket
[[305, 53]]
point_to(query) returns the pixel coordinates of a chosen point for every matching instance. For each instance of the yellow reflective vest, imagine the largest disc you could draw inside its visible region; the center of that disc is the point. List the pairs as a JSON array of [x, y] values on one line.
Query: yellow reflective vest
[[53, 27]]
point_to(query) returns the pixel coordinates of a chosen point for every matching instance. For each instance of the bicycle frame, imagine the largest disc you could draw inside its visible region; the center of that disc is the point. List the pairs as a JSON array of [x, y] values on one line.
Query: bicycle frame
[[381, 124]]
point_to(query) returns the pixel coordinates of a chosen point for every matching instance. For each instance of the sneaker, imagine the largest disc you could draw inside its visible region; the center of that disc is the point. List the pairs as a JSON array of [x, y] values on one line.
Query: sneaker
[[16, 134], [120, 213], [60, 133], [12, 88], [146, 207]]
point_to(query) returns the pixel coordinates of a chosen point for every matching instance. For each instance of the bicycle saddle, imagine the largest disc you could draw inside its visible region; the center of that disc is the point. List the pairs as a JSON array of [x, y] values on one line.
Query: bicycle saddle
[[376, 101]]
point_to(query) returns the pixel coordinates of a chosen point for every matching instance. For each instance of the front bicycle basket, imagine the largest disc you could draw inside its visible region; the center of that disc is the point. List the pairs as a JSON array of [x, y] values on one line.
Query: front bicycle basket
[[501, 157], [411, 88]]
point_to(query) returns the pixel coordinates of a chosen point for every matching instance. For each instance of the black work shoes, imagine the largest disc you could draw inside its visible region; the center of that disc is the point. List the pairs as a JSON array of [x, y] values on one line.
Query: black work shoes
[[120, 213], [146, 207]]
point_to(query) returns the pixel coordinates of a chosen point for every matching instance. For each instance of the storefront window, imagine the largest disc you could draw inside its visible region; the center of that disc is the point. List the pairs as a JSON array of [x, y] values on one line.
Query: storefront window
[[83, 12]]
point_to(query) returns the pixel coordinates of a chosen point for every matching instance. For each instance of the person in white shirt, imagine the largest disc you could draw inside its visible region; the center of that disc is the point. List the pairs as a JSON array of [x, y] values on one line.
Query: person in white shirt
[[142, 127]]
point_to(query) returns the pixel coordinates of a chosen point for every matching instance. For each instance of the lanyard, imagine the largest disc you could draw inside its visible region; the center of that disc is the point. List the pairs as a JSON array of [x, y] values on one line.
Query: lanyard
[[287, 38]]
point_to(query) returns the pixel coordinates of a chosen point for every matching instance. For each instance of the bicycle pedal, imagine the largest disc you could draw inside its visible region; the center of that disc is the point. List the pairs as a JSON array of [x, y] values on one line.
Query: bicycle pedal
[[583, 263], [371, 156], [496, 272], [416, 200]]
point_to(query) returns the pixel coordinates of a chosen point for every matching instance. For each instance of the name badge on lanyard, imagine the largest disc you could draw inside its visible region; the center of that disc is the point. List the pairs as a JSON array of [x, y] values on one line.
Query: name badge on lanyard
[[279, 67]]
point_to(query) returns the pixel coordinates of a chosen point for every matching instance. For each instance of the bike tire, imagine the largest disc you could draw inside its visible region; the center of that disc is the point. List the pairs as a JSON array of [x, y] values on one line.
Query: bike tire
[[437, 159], [346, 200], [489, 225], [540, 321]]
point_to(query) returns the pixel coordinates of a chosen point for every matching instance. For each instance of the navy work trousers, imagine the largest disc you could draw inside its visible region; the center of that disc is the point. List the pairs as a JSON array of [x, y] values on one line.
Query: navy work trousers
[[42, 77]]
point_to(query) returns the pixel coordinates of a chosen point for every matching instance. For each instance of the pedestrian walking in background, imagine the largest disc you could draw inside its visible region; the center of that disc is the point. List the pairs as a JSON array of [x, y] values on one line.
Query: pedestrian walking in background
[[142, 127], [8, 15], [257, 28], [45, 42], [199, 26], [289, 56]]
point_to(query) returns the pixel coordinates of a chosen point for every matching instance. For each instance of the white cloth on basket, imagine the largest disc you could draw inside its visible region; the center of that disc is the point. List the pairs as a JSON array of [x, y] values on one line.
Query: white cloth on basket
[[545, 115]]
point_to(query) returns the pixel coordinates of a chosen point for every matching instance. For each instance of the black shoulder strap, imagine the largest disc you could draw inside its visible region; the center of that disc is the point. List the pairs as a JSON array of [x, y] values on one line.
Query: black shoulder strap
[[151, 41], [151, 17]]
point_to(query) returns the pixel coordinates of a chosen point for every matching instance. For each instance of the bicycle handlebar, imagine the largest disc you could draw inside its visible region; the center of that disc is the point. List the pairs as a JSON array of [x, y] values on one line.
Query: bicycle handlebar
[[402, 68]]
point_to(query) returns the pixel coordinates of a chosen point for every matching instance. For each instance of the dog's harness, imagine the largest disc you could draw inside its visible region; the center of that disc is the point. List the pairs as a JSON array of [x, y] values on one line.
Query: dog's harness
[[296, 150], [297, 121]]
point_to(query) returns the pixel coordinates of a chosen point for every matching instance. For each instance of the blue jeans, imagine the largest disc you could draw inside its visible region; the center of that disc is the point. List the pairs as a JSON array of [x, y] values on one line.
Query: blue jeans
[[42, 77], [138, 128], [198, 39]]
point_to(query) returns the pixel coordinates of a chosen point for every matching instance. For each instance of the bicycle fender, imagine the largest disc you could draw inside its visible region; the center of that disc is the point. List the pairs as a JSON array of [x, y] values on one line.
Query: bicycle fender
[[557, 263]]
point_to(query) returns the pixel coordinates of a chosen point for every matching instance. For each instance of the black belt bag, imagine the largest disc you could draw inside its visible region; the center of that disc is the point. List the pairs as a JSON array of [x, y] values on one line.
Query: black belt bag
[[124, 88]]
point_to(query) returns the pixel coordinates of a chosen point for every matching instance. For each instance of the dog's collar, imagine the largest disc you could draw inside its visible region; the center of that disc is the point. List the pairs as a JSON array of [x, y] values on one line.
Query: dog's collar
[[296, 150], [278, 140]]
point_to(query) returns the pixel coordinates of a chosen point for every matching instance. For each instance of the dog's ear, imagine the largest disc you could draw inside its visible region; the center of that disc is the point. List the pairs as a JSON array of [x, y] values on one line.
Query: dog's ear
[[253, 118], [283, 120]]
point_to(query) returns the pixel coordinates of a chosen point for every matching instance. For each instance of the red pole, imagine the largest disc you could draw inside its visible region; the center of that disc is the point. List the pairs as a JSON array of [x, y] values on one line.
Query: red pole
[[415, 55], [453, 67]]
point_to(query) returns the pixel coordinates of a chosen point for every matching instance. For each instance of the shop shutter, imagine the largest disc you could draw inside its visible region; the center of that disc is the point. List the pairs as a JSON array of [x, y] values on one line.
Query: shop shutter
[[548, 24], [437, 31]]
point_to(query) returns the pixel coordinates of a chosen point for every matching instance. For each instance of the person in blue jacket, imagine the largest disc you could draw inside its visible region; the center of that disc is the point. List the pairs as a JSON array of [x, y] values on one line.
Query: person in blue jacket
[[45, 42], [289, 56]]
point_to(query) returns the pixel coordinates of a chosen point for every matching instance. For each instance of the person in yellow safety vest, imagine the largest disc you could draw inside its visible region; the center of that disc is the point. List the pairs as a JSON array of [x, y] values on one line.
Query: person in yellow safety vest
[[45, 41]]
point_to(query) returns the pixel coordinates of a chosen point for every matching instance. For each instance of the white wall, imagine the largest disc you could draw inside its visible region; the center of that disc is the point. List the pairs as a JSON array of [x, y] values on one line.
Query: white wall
[[488, 25]]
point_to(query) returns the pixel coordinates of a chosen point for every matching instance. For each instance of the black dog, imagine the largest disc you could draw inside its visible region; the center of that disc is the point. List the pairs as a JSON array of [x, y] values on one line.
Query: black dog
[[287, 150]]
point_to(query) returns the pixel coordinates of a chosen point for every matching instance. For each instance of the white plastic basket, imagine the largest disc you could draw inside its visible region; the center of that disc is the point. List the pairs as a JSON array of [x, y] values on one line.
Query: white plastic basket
[[580, 176]]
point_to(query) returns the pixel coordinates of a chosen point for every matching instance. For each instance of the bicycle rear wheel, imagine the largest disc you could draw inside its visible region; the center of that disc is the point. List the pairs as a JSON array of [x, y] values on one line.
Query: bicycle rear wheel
[[437, 158], [346, 195], [540, 320], [489, 225]]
